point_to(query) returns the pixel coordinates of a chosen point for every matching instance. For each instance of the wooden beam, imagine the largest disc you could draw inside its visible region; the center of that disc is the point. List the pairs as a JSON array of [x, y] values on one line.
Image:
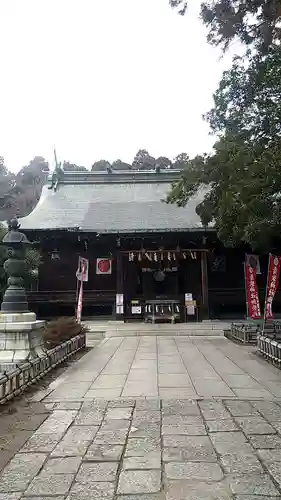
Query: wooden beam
[[119, 281], [204, 285], [133, 250]]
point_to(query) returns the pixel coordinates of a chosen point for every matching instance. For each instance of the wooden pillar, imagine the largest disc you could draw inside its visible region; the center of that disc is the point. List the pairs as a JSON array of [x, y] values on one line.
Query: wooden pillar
[[119, 284], [204, 285]]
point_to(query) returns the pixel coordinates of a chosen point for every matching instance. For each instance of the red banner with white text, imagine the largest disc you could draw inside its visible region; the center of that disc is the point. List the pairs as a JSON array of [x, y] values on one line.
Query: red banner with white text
[[254, 310], [272, 284]]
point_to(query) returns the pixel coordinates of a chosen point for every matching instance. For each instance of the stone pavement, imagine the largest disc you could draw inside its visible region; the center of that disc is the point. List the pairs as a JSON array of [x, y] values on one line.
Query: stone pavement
[[177, 367], [207, 441]]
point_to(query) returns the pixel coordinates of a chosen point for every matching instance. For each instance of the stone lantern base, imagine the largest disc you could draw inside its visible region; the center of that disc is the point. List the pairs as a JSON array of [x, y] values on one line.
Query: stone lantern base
[[21, 339]]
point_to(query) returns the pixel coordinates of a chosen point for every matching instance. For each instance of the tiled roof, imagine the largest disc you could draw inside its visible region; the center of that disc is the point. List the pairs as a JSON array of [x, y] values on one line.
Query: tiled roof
[[115, 206]]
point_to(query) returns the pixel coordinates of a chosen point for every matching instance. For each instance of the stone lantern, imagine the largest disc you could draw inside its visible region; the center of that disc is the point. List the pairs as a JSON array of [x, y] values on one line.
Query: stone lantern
[[20, 332]]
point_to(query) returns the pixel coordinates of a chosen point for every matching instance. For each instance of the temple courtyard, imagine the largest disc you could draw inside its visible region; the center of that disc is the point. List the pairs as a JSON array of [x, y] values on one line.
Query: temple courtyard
[[148, 418]]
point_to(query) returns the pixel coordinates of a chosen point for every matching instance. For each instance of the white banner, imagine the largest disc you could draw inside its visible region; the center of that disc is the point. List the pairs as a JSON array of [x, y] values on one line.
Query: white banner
[[253, 261], [80, 296], [82, 263]]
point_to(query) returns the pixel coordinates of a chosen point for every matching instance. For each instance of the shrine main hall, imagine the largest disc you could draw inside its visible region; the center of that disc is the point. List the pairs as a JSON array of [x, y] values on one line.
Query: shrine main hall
[[147, 259]]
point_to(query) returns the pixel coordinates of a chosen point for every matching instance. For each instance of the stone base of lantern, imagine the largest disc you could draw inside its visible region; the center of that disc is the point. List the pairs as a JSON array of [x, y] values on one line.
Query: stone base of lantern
[[21, 339]]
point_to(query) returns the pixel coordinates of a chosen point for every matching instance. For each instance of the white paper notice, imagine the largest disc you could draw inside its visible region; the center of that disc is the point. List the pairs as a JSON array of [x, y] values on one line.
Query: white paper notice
[[136, 309], [119, 299], [190, 310]]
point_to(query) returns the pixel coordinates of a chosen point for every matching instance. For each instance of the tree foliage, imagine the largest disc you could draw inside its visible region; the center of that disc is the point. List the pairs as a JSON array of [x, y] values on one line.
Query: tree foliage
[[181, 161], [8, 186], [143, 161], [72, 167], [19, 193], [163, 162], [256, 23], [247, 101], [101, 165], [121, 165], [243, 175], [180, 5]]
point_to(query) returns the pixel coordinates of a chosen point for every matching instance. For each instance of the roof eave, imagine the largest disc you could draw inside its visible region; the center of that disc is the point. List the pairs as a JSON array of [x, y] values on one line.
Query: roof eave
[[125, 231]]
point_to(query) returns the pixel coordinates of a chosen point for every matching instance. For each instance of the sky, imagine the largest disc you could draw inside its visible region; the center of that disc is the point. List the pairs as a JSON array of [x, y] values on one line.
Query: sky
[[100, 79]]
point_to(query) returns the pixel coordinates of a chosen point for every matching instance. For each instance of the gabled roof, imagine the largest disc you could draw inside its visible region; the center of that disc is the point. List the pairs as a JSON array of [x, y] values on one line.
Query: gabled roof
[[112, 203]]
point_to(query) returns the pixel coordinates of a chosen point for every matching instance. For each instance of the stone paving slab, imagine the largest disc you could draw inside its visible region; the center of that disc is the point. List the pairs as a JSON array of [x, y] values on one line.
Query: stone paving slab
[[210, 463], [167, 367], [190, 447]]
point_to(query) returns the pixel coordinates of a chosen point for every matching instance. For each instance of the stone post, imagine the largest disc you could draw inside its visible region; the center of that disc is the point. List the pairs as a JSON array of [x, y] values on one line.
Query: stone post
[[20, 332]]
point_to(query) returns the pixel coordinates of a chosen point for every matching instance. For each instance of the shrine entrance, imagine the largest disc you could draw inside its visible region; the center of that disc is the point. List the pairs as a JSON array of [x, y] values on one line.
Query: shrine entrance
[[156, 283]]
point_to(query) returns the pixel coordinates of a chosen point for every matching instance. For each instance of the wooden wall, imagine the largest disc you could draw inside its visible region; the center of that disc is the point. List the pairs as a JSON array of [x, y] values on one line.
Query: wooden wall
[[60, 274], [225, 281]]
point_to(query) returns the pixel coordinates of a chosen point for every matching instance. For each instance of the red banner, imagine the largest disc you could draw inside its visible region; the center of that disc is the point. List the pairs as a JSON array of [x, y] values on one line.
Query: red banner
[[254, 309], [80, 296], [272, 283]]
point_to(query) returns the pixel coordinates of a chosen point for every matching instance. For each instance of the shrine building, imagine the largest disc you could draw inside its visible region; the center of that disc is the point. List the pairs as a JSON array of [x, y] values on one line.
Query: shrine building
[[146, 258]]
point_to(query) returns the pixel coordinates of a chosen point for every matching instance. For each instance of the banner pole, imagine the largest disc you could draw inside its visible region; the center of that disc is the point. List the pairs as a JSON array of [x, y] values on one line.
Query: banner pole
[[246, 291], [80, 296], [266, 292]]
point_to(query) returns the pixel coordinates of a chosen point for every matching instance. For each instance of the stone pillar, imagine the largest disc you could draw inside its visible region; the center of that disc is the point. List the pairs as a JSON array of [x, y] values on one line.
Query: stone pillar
[[20, 331]]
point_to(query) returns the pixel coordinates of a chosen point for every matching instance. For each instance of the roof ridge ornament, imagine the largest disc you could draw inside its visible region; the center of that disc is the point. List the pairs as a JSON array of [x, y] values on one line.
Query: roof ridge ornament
[[57, 173]]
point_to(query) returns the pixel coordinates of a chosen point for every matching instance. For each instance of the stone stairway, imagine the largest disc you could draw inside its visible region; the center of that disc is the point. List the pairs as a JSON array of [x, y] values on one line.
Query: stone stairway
[[107, 329]]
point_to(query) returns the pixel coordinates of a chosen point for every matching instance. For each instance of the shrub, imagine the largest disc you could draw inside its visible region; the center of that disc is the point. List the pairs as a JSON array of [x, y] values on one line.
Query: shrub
[[62, 329]]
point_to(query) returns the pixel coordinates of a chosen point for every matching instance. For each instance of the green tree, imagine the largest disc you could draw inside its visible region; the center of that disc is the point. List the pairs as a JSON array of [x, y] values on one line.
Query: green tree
[[121, 165], [72, 167], [20, 193], [8, 189], [163, 162], [30, 180], [243, 175], [143, 161], [180, 5], [181, 161], [101, 165], [255, 23]]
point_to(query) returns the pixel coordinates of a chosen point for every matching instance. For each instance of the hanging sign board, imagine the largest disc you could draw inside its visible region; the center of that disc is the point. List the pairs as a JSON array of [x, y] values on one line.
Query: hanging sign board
[[254, 310], [103, 266], [272, 284]]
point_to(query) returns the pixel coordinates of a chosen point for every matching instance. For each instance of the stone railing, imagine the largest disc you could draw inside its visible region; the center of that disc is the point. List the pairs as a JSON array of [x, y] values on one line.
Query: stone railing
[[17, 380], [270, 349], [246, 333]]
